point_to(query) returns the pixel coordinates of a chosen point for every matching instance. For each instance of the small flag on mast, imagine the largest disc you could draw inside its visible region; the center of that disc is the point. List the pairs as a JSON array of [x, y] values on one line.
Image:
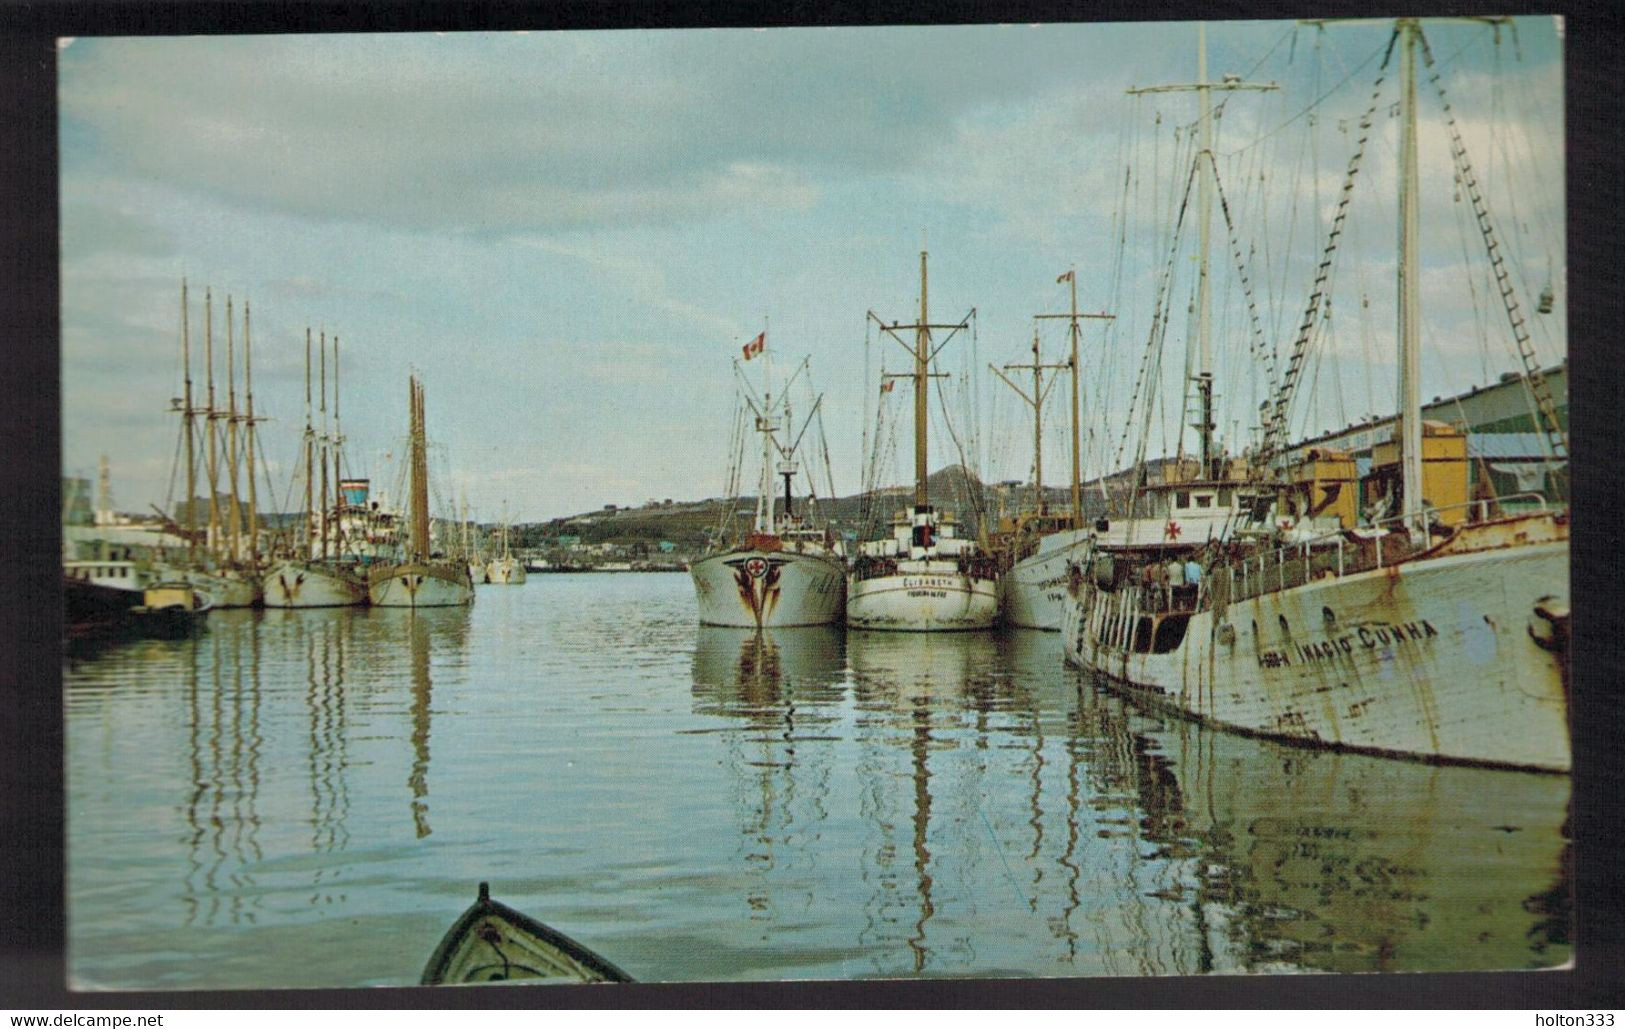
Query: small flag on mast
[[755, 346], [886, 387], [1068, 277]]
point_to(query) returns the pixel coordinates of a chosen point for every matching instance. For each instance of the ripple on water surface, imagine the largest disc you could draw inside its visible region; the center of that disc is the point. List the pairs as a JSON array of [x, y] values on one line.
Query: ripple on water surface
[[308, 798]]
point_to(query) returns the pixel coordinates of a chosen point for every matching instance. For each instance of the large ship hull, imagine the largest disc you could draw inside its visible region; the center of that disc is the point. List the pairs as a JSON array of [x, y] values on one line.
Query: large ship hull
[[923, 600], [761, 589], [421, 584], [1457, 657], [1032, 594], [310, 584], [505, 571], [226, 590]]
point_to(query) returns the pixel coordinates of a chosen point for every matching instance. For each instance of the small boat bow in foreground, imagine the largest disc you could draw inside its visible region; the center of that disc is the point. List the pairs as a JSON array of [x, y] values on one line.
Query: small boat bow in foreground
[[492, 942]]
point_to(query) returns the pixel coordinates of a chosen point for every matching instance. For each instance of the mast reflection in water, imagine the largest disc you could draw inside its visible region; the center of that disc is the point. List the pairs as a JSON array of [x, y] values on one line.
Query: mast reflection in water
[[304, 798]]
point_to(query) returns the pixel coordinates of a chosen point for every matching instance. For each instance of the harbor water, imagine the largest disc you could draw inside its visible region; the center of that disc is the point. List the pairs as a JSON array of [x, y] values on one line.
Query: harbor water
[[309, 798]]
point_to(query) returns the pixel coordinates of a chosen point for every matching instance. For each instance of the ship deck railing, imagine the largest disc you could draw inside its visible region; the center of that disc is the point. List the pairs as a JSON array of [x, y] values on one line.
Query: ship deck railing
[[1335, 555]]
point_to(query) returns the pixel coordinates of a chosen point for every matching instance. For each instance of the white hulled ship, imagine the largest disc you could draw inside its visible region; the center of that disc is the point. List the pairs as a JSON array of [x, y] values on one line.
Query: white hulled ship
[[1438, 632], [923, 577], [505, 569], [420, 578], [328, 570], [782, 571]]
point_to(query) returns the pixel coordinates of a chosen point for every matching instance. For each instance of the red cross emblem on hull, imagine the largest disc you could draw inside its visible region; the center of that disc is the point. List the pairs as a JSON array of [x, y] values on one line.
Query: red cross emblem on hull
[[1171, 530]]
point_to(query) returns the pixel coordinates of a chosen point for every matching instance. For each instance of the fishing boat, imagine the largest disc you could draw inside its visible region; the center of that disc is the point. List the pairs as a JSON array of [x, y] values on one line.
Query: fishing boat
[[783, 571], [505, 569], [924, 576], [491, 942], [1430, 625], [326, 573], [421, 578], [94, 609]]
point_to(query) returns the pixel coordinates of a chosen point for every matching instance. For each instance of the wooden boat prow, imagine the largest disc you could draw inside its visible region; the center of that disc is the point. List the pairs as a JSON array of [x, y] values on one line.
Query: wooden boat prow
[[492, 942]]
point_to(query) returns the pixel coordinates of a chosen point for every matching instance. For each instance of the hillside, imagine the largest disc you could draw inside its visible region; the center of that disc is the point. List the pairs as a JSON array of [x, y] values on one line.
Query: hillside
[[689, 524]]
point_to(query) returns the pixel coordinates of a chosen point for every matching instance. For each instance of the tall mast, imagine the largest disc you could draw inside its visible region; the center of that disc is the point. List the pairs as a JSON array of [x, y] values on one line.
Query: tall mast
[[310, 458], [922, 355], [326, 440], [253, 496], [338, 450], [1077, 466], [1410, 358], [1036, 402], [1038, 429], [1072, 317], [1204, 297], [420, 475], [765, 425], [235, 509], [1204, 88], [211, 416], [921, 351], [190, 416]]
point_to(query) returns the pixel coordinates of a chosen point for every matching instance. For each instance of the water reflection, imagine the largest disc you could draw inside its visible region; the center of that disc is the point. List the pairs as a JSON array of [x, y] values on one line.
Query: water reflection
[[782, 685], [223, 823], [1296, 859], [425, 632], [909, 690], [251, 806]]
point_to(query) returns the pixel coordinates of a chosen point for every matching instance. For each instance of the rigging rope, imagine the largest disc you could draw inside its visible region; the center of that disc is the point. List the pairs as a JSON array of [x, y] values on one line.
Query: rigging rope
[[1276, 428], [1255, 344], [1547, 421], [1158, 317]]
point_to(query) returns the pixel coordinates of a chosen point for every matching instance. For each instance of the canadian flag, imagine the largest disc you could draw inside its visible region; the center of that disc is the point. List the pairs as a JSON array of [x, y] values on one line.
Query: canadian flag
[[886, 387], [755, 346]]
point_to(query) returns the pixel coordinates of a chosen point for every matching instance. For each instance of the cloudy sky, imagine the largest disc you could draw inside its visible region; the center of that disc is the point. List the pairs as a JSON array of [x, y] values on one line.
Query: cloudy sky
[[569, 235]]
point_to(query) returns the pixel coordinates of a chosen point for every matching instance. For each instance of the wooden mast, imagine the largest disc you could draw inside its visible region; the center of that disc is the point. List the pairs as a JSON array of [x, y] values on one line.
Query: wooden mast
[[190, 417], [1072, 317], [234, 509], [420, 475], [922, 354], [1036, 402], [1207, 177], [1410, 351], [253, 496], [338, 450], [1077, 464], [310, 457], [325, 441], [211, 416]]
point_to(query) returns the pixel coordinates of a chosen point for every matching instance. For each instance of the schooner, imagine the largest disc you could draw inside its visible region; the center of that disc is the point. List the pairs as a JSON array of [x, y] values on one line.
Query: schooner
[[421, 578]]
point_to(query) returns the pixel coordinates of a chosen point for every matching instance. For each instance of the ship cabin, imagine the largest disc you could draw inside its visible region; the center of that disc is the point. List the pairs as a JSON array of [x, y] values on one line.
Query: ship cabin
[[923, 534], [123, 575]]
